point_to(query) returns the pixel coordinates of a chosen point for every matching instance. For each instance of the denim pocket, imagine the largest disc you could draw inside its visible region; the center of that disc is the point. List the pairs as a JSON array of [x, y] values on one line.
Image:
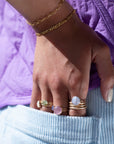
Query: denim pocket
[[38, 127]]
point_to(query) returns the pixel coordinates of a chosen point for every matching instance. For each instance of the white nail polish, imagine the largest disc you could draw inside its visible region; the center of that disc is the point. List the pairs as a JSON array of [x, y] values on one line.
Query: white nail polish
[[110, 95]]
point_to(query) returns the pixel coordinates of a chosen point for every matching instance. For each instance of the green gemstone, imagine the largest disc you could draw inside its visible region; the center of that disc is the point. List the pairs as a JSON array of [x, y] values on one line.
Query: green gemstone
[[44, 102]]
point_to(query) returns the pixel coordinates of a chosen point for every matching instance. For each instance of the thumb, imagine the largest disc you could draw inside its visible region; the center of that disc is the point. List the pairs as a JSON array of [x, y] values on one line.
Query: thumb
[[102, 59]]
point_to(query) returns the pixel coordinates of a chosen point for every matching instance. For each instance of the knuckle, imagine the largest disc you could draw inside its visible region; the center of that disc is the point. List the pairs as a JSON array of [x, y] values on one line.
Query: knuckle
[[74, 80], [103, 49], [35, 76], [55, 82], [110, 79], [44, 77], [106, 49], [38, 76]]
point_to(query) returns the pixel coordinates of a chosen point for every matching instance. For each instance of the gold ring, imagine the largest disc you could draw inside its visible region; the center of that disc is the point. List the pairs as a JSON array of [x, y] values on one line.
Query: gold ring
[[59, 110], [77, 108], [80, 105], [44, 103]]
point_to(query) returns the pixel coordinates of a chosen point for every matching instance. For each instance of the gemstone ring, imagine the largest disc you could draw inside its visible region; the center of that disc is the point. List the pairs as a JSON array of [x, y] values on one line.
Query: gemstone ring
[[77, 103], [59, 110], [44, 103]]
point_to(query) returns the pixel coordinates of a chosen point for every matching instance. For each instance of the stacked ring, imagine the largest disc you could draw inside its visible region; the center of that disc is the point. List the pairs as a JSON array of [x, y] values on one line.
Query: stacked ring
[[44, 103], [77, 104]]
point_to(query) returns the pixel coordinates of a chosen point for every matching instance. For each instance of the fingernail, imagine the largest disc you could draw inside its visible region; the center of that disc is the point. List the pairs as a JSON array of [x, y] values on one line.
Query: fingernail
[[110, 95]]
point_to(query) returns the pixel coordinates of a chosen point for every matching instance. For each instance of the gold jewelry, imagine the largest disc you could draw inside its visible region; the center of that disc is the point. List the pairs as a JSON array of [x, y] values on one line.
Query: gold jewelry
[[81, 101], [81, 105], [37, 22], [75, 108], [54, 27], [59, 109], [44, 103]]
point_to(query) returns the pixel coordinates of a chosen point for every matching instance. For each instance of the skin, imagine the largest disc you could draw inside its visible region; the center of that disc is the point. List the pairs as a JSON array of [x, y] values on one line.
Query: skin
[[63, 57], [62, 66]]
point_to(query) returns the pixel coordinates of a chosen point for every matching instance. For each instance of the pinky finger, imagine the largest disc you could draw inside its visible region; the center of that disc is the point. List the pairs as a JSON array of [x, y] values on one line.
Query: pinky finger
[[36, 95]]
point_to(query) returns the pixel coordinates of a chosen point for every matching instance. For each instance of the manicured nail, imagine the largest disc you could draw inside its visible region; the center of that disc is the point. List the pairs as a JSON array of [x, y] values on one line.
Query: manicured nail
[[110, 95]]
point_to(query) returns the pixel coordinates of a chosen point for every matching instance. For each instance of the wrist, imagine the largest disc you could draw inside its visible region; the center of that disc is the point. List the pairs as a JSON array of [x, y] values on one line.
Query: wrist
[[60, 15], [67, 31], [64, 33]]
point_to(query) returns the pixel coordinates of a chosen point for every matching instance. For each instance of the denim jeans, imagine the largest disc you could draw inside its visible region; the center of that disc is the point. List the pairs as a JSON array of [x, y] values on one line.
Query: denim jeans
[[24, 125]]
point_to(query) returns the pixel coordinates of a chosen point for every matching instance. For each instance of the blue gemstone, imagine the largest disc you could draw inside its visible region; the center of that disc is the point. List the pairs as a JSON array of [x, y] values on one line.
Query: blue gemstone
[[75, 100]]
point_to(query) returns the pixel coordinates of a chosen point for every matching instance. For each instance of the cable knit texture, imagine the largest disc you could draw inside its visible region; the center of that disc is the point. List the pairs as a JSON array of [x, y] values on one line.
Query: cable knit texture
[[17, 46]]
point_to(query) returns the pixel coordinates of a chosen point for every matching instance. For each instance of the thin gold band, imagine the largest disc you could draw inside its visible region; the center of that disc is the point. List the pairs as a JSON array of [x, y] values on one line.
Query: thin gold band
[[77, 105], [81, 105], [74, 108], [81, 101]]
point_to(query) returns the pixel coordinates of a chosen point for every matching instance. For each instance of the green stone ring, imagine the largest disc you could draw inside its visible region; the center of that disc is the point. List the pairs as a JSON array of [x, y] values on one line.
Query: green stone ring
[[44, 103]]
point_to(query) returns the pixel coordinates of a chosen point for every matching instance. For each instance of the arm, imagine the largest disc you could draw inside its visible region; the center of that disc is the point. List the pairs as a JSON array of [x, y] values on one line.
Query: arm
[[64, 68], [35, 9]]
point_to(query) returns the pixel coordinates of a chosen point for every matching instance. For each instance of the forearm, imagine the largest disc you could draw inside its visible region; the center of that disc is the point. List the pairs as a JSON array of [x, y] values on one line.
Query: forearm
[[31, 9], [35, 9]]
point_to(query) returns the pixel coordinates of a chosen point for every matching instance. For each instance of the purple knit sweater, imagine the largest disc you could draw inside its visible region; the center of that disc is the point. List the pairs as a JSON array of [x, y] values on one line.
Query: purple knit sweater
[[17, 47]]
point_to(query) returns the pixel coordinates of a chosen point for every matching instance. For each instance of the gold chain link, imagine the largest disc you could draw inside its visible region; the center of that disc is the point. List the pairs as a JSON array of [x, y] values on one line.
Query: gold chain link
[[54, 27], [37, 22]]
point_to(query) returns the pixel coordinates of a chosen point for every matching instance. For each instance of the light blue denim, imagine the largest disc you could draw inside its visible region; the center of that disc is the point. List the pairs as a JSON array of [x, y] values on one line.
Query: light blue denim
[[24, 125]]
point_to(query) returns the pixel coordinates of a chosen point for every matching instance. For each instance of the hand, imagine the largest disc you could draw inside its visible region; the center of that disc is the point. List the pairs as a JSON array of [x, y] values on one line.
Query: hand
[[62, 67]]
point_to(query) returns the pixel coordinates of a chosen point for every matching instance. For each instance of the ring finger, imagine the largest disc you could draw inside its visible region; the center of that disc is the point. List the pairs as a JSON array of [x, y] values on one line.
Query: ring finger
[[46, 99], [60, 100]]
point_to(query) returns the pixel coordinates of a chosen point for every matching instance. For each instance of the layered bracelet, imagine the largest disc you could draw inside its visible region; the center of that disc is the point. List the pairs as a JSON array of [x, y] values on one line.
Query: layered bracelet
[[54, 27], [37, 22]]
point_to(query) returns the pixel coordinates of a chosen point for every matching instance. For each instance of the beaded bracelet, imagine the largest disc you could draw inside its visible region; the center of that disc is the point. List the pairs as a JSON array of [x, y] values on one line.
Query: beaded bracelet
[[37, 22], [54, 27]]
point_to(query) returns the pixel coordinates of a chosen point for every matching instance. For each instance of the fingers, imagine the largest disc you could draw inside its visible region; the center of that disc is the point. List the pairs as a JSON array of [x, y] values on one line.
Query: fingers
[[79, 84], [102, 59], [58, 94], [77, 89], [40, 92], [36, 95], [60, 98], [46, 96]]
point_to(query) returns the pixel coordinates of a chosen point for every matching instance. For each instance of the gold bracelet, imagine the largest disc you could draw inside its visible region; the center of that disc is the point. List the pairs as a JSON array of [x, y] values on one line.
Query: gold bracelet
[[54, 27], [37, 22]]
